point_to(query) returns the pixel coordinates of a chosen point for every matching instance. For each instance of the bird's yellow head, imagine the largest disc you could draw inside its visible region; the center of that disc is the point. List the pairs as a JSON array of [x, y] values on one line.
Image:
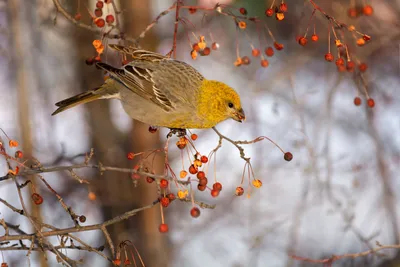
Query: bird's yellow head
[[218, 102]]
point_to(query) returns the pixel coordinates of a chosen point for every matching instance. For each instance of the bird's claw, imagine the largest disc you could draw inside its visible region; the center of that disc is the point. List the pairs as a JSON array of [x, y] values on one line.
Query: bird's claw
[[178, 132]]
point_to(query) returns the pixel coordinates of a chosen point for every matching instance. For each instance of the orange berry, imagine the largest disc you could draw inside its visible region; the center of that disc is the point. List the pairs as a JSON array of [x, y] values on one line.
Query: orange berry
[[163, 228], [257, 183], [239, 191], [357, 101], [193, 54], [329, 57], [303, 41], [37, 199], [243, 11], [264, 63], [242, 25], [163, 183], [368, 10], [214, 193], [288, 156], [217, 186], [195, 212], [197, 163], [238, 62], [204, 159], [371, 103], [255, 52], [269, 12], [181, 144], [363, 67], [246, 60], [13, 143], [92, 196], [130, 155], [182, 194], [19, 154], [110, 19], [314, 38], [193, 169], [117, 262], [278, 46], [269, 51], [182, 174], [360, 42], [279, 16], [193, 137]]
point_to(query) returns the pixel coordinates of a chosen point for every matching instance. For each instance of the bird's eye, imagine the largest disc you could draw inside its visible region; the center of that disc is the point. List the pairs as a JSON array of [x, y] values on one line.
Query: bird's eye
[[230, 105]]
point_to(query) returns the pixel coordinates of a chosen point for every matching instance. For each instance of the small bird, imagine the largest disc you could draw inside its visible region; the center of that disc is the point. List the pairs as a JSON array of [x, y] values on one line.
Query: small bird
[[163, 92]]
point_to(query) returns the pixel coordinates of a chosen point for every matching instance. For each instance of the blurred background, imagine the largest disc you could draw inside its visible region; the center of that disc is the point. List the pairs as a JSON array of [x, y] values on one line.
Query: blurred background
[[340, 193]]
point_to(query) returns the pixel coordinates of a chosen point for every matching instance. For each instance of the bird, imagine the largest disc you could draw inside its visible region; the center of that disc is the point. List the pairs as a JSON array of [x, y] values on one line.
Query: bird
[[163, 92]]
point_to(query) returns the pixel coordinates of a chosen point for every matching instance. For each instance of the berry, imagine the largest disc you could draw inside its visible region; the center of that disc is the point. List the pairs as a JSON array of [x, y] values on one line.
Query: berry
[[78, 16], [82, 218], [206, 51], [130, 155], [163, 183], [269, 51], [152, 129], [350, 66], [193, 137], [288, 156], [196, 47], [98, 12], [99, 4], [204, 159], [283, 7], [192, 10], [89, 61], [278, 46], [203, 182], [279, 16], [302, 41], [339, 62], [264, 63], [243, 11], [269, 12], [246, 60], [110, 19], [19, 154], [149, 179], [195, 212], [201, 175], [368, 10], [163, 228], [357, 101], [242, 25], [127, 262], [366, 37], [329, 57], [100, 23], [107, 1], [257, 183], [4, 264], [363, 67], [117, 262], [182, 174], [214, 193], [217, 186], [215, 46], [181, 143], [201, 187], [37, 199], [171, 196], [360, 41], [314, 38], [193, 169], [239, 191], [352, 12], [164, 202], [255, 52], [371, 103]]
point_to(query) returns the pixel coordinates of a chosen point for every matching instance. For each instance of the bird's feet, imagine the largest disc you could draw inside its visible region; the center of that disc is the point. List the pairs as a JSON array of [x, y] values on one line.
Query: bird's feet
[[178, 132]]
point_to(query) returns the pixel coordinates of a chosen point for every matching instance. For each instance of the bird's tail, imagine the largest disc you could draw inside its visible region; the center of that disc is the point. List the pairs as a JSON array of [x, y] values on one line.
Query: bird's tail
[[78, 99]]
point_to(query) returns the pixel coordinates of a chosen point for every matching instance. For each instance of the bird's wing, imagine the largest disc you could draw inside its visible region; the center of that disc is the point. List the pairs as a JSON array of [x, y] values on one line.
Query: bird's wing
[[137, 53]]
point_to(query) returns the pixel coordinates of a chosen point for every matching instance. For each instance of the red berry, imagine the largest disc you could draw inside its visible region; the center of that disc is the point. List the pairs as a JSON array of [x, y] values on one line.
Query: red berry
[[217, 186], [152, 129], [255, 52], [117, 262], [363, 67], [329, 57], [288, 156], [37, 199], [127, 262], [206, 51], [283, 7], [278, 46], [98, 12], [269, 12], [214, 193], [164, 202], [243, 11], [19, 154], [149, 179], [100, 23], [350, 66], [107, 1], [163, 183], [110, 19], [163, 228], [193, 137], [201, 187], [352, 12], [314, 38], [269, 51], [204, 159], [201, 175], [366, 37], [303, 41], [193, 169], [82, 219], [89, 61], [192, 10], [264, 63], [246, 60], [371, 103], [215, 46], [78, 16], [368, 10], [340, 62], [171, 196], [195, 212], [99, 4], [130, 155], [203, 182], [357, 101], [239, 191]]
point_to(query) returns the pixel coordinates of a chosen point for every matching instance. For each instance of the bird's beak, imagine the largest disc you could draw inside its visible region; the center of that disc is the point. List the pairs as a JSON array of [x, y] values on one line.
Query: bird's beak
[[240, 116]]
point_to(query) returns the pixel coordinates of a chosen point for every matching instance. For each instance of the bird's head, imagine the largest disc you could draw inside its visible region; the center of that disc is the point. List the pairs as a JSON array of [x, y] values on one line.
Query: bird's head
[[219, 102]]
